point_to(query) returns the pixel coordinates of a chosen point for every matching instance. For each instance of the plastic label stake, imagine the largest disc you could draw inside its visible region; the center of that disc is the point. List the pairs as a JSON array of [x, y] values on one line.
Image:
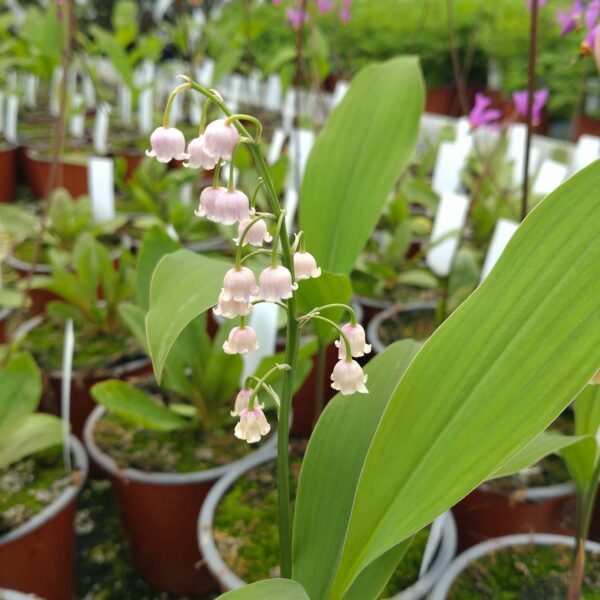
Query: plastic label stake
[[504, 230], [12, 117], [447, 226], [101, 188], [449, 163], [65, 390], [145, 105], [517, 134], [101, 122], [551, 174], [273, 91], [586, 152], [30, 91]]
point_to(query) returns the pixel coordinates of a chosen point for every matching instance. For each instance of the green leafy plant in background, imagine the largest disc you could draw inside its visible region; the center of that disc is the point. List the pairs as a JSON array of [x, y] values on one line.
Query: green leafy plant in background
[[24, 432]]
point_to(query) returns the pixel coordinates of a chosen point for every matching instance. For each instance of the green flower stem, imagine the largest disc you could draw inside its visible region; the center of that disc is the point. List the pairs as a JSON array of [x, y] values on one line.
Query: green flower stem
[[231, 169], [255, 253], [262, 381], [255, 194], [253, 120], [238, 253], [274, 253], [311, 316], [346, 307], [180, 88], [216, 174], [204, 115], [260, 301]]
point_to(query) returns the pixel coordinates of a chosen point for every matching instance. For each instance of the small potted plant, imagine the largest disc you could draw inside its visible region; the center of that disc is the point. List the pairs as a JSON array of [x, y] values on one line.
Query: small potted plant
[[38, 489]]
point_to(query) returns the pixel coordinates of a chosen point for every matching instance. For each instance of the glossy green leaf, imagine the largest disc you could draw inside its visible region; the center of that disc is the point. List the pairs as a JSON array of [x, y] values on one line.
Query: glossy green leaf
[[183, 286], [543, 445], [587, 411], [489, 380], [135, 406], [269, 589], [357, 158], [325, 494], [20, 391], [29, 435]]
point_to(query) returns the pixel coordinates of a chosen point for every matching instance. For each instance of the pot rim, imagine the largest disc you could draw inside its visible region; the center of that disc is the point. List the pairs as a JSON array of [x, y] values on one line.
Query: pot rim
[[229, 580], [16, 595], [109, 465], [546, 492], [461, 562], [373, 327], [34, 154], [67, 496]]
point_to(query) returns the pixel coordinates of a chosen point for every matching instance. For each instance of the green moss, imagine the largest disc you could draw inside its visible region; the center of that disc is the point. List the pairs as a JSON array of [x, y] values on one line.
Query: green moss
[[29, 485], [416, 325], [184, 451], [525, 572], [245, 526]]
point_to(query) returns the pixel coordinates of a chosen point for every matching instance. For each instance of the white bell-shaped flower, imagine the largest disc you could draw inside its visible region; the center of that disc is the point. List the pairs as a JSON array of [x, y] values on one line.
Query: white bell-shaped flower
[[252, 425], [241, 340], [276, 284], [167, 143], [357, 338], [349, 378]]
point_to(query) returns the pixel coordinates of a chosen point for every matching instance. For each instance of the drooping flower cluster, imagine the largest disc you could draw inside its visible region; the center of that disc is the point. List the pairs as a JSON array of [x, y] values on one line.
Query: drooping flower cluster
[[582, 16], [276, 283], [296, 14]]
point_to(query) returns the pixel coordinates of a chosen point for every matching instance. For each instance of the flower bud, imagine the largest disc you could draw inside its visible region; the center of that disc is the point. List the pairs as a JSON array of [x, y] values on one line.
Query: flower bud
[[252, 426], [239, 285], [220, 139], [305, 266], [167, 144], [276, 284], [348, 378], [356, 336], [241, 341], [197, 155], [256, 235], [231, 309], [241, 401]]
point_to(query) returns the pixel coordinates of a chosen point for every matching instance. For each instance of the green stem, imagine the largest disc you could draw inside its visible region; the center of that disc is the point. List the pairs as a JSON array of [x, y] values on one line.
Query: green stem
[[231, 169], [310, 317], [253, 120], [353, 320], [203, 116], [275, 254], [184, 86], [255, 194], [262, 382], [216, 174], [238, 253], [255, 253]]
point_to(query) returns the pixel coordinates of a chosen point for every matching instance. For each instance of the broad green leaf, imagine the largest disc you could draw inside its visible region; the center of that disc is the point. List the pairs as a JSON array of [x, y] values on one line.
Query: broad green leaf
[[135, 406], [587, 411], [20, 391], [489, 380], [269, 589], [326, 289], [357, 159], [543, 445], [580, 460], [155, 245], [341, 438], [29, 435], [18, 221], [183, 286], [134, 317]]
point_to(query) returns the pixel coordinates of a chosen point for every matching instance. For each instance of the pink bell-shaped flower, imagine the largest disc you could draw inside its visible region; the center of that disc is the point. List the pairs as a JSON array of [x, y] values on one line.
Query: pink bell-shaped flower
[[231, 309], [276, 284], [305, 266], [220, 139], [241, 341], [357, 338], [167, 144], [239, 285], [208, 201], [241, 401], [231, 207], [252, 426], [197, 155], [348, 378], [256, 235]]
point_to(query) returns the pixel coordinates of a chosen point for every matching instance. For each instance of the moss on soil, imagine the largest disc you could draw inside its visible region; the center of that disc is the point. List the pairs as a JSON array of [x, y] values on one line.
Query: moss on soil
[[29, 485], [184, 451], [92, 351], [400, 326], [525, 573], [245, 526]]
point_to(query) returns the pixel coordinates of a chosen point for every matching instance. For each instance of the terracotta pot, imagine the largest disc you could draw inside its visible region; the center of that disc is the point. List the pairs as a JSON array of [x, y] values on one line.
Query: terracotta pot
[[442, 589], [595, 525], [484, 514], [583, 124], [4, 314], [39, 557], [159, 511], [132, 160], [229, 580], [71, 176], [8, 173], [440, 100]]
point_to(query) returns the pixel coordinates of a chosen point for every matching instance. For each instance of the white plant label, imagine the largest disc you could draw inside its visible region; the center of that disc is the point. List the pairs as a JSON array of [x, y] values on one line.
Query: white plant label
[[517, 135], [341, 87], [30, 91], [288, 110], [300, 145], [89, 91], [463, 128], [551, 174], [12, 117], [54, 100], [145, 106], [290, 204], [447, 226], [587, 151], [273, 91], [176, 113], [449, 163], [65, 395], [276, 146], [124, 102], [101, 123], [504, 230], [101, 188], [77, 120]]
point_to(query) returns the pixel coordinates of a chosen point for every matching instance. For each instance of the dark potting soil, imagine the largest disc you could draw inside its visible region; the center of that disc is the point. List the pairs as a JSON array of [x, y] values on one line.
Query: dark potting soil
[[245, 526], [399, 326], [30, 485], [105, 569], [527, 572], [184, 451], [93, 351]]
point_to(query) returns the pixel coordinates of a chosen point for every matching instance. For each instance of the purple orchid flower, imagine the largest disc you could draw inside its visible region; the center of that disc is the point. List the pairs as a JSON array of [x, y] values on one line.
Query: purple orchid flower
[[296, 17], [540, 98], [345, 12], [324, 6], [592, 27], [481, 115], [569, 20]]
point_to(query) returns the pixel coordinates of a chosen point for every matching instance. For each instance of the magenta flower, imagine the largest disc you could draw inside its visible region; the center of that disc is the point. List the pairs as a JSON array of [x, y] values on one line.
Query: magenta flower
[[521, 100], [592, 27], [345, 12], [324, 6], [276, 2], [481, 115], [569, 20], [296, 17]]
